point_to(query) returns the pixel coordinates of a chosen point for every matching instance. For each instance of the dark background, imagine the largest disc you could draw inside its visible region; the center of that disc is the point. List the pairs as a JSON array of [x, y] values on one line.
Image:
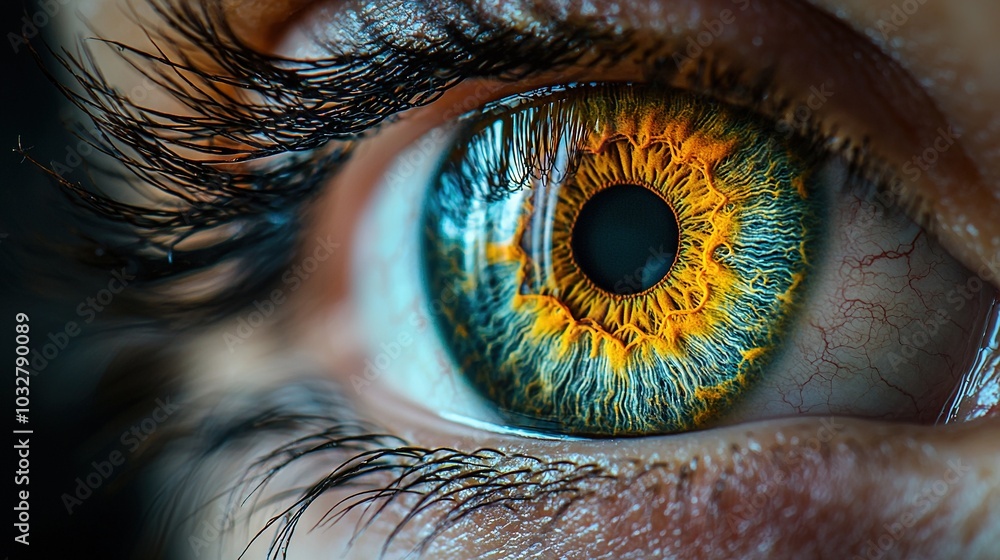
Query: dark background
[[71, 427]]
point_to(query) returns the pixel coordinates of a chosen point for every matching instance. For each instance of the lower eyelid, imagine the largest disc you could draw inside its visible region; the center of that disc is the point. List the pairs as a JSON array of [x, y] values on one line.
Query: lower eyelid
[[737, 489], [724, 493]]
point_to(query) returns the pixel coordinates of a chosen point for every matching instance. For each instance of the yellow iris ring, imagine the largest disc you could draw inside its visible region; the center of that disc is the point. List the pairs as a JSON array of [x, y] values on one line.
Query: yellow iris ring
[[633, 352]]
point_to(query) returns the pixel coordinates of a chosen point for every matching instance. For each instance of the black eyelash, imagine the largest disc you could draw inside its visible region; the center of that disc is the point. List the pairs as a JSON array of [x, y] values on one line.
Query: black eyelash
[[448, 485], [445, 485], [259, 137]]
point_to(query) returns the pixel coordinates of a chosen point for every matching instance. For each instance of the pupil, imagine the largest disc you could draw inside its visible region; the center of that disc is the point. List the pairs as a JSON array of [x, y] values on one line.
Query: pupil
[[625, 239]]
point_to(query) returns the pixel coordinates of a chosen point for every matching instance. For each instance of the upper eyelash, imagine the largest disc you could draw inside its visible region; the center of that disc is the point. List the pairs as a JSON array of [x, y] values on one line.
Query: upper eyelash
[[305, 119], [308, 112]]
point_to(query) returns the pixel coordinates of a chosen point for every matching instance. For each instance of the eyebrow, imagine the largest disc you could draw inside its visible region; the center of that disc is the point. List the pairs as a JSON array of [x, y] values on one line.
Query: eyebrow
[[259, 135]]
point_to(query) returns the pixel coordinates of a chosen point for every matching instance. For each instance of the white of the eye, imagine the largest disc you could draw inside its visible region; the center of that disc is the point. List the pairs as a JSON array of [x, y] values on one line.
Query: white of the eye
[[838, 356], [406, 358]]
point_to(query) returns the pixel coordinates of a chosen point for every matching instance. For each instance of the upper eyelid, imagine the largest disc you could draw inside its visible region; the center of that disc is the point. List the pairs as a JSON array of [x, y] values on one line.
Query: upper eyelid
[[156, 146], [308, 93], [297, 89], [880, 114], [260, 106]]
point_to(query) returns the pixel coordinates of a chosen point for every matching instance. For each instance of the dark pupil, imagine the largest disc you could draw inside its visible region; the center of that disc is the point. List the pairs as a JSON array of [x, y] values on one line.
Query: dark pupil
[[625, 239]]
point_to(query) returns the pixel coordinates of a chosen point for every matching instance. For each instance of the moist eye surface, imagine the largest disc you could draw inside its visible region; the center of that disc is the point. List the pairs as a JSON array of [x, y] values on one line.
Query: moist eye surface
[[628, 258]]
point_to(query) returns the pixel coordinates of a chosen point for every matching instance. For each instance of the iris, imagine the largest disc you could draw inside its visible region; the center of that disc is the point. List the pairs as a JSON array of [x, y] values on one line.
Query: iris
[[626, 259]]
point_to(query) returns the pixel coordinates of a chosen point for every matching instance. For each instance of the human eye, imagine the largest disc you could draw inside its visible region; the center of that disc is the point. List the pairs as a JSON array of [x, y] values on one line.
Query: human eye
[[736, 263], [458, 147]]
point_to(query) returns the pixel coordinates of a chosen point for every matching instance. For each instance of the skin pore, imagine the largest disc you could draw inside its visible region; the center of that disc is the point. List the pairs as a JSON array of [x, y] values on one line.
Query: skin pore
[[831, 487]]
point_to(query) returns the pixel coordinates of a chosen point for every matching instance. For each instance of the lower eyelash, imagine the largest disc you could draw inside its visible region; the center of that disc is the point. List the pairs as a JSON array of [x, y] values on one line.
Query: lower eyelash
[[447, 484], [439, 486]]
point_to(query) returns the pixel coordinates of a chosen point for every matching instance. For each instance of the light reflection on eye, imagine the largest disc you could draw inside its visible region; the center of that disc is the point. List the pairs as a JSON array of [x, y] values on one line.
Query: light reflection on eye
[[843, 292]]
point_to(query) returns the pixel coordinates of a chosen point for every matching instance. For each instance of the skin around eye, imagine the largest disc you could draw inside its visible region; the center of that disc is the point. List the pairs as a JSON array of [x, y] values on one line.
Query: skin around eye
[[432, 356], [797, 488], [434, 369]]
